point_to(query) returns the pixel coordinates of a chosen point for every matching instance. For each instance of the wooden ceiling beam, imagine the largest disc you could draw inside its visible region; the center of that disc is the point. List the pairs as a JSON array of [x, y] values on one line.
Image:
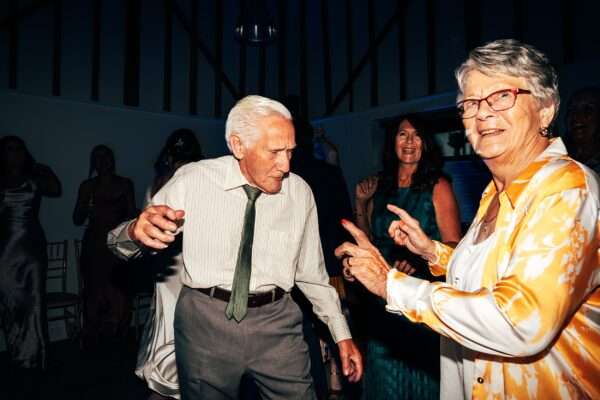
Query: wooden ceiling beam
[[199, 43], [391, 22]]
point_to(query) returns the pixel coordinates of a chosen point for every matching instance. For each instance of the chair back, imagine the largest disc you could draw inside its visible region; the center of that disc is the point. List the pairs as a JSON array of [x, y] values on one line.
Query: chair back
[[77, 246], [57, 297], [57, 263]]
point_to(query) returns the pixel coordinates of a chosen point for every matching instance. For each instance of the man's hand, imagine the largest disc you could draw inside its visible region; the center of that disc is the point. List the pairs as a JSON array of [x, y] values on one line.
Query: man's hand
[[352, 363], [363, 261], [156, 226]]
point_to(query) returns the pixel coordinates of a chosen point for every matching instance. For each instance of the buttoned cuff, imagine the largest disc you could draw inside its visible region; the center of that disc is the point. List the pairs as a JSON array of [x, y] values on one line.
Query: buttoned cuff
[[404, 292], [339, 329], [436, 254], [442, 254], [119, 242]]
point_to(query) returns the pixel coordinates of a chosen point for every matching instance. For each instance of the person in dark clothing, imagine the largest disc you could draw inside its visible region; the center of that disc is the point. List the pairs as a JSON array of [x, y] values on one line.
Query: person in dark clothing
[[104, 200], [333, 204], [23, 264]]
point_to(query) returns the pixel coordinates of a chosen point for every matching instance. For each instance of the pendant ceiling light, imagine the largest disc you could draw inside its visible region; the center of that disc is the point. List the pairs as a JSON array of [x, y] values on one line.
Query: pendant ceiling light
[[255, 25]]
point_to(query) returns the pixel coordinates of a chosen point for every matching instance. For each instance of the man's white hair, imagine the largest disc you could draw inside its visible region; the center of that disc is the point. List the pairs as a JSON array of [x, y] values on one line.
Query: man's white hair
[[242, 118]]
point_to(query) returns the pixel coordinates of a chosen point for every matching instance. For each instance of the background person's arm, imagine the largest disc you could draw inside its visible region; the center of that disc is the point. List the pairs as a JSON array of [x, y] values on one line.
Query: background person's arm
[[365, 190], [447, 214]]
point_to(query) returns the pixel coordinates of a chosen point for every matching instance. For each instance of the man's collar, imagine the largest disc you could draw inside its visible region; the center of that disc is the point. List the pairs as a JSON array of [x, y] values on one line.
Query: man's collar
[[555, 150], [235, 179]]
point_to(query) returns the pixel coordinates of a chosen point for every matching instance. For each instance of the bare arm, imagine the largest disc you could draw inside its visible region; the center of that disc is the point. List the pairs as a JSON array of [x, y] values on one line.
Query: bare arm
[[447, 214], [82, 206], [47, 181], [365, 191], [363, 214]]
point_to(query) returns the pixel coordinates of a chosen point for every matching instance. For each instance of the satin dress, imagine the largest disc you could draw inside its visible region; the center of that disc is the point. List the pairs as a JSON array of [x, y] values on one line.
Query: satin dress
[[156, 355], [23, 263]]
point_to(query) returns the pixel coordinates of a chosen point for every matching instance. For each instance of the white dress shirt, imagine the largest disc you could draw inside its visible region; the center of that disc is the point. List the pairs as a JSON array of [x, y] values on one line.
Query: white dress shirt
[[286, 249]]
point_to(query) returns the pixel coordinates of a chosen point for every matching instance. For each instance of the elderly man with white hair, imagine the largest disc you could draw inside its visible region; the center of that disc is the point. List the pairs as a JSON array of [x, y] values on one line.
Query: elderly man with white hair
[[250, 234]]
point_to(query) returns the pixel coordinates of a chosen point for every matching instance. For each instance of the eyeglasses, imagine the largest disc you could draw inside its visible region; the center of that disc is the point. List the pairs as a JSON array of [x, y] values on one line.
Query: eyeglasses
[[498, 101]]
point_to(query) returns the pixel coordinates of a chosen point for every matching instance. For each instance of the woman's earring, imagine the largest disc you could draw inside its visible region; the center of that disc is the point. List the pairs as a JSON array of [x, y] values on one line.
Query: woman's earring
[[544, 132]]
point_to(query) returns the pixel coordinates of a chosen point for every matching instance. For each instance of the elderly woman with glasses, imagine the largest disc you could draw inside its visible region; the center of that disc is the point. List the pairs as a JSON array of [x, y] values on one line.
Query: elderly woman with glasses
[[519, 313]]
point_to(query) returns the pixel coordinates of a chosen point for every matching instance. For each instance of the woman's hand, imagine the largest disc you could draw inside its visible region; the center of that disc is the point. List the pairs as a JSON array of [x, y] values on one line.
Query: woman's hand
[[366, 189], [406, 231], [363, 261]]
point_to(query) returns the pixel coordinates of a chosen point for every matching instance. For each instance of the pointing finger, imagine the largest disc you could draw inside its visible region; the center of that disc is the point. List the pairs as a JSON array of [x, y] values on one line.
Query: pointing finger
[[402, 214], [406, 223], [359, 236]]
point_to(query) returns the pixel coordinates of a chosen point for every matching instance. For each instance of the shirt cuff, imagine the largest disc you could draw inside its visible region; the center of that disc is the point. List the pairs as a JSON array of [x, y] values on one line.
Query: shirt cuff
[[339, 329], [439, 264], [404, 292], [121, 244], [436, 254]]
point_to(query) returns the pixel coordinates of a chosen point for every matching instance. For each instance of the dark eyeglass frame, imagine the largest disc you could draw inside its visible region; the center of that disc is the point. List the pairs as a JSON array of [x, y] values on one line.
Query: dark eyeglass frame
[[515, 91]]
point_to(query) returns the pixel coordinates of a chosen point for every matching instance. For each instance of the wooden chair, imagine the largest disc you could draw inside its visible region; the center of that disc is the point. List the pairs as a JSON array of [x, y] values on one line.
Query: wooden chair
[[58, 298]]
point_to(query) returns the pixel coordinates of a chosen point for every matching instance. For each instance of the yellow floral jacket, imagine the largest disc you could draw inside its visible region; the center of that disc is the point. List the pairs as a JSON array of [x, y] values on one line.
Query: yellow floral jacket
[[532, 318]]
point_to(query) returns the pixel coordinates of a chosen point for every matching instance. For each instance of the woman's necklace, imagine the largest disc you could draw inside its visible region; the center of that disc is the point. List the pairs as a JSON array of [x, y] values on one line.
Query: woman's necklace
[[404, 181], [489, 222]]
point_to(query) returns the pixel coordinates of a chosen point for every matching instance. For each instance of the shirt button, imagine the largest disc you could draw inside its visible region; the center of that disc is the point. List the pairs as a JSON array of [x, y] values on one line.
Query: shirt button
[[480, 380]]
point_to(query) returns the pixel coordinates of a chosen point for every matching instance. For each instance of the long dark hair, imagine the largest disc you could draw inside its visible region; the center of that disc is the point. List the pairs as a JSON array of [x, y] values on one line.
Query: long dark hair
[[181, 147], [29, 160], [429, 168], [94, 155]]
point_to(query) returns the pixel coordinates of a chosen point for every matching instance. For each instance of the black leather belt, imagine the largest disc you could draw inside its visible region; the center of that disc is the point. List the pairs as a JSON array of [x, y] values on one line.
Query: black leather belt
[[254, 299]]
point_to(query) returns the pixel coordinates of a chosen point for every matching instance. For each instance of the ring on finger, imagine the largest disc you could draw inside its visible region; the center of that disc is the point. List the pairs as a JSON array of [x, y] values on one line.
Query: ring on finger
[[346, 272], [346, 262]]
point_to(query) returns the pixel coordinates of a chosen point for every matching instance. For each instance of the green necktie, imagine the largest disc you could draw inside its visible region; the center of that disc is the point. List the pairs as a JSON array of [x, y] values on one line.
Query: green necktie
[[238, 302]]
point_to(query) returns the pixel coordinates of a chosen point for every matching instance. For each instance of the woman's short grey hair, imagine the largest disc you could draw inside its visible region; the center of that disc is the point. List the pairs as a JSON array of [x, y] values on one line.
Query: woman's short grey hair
[[513, 58], [242, 118]]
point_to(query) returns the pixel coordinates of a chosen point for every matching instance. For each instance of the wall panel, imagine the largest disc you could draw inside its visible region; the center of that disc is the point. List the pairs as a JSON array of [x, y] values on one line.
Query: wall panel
[[34, 53], [112, 40], [564, 30], [76, 49]]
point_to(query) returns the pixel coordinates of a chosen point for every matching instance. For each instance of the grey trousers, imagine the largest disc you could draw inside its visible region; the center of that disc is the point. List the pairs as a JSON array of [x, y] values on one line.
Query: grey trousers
[[213, 353]]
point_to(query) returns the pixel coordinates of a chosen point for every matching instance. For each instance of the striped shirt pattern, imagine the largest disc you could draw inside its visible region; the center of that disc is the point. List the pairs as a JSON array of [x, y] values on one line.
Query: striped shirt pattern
[[286, 248]]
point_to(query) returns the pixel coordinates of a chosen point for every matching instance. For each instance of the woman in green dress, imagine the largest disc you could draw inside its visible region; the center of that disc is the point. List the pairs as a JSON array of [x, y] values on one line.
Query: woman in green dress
[[402, 358]]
